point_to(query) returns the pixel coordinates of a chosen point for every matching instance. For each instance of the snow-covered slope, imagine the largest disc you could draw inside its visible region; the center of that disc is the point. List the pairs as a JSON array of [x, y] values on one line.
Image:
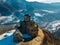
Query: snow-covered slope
[[43, 14], [7, 34], [9, 19]]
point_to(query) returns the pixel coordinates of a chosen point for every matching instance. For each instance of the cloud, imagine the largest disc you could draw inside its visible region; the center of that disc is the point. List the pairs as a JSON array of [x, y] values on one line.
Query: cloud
[[44, 1]]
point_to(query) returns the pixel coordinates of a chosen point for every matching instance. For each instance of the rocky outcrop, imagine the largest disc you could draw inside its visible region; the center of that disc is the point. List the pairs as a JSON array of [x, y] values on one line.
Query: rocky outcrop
[[39, 36], [5, 29], [44, 37], [49, 38]]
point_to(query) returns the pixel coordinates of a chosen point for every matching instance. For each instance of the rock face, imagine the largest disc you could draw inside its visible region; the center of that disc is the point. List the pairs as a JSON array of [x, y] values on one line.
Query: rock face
[[5, 29], [38, 35], [57, 36], [43, 38]]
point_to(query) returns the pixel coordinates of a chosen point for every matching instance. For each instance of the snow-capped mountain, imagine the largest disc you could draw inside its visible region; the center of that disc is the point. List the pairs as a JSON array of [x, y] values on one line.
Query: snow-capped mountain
[[8, 19], [43, 14]]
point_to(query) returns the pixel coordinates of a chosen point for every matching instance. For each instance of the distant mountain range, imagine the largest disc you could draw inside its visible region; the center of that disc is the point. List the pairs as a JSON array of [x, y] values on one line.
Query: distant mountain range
[[11, 6], [42, 13]]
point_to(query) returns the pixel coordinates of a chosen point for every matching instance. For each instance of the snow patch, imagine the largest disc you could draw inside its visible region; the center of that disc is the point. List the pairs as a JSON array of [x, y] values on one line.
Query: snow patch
[[3, 17], [44, 1], [49, 11], [5, 35], [53, 25], [4, 0], [38, 14]]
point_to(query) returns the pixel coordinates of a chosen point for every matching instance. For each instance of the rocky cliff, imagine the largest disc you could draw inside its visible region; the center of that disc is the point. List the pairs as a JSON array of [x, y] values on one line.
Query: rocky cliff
[[44, 37]]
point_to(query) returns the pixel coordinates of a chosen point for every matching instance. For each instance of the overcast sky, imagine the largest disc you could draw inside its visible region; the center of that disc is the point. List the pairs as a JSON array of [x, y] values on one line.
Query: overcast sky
[[44, 1]]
